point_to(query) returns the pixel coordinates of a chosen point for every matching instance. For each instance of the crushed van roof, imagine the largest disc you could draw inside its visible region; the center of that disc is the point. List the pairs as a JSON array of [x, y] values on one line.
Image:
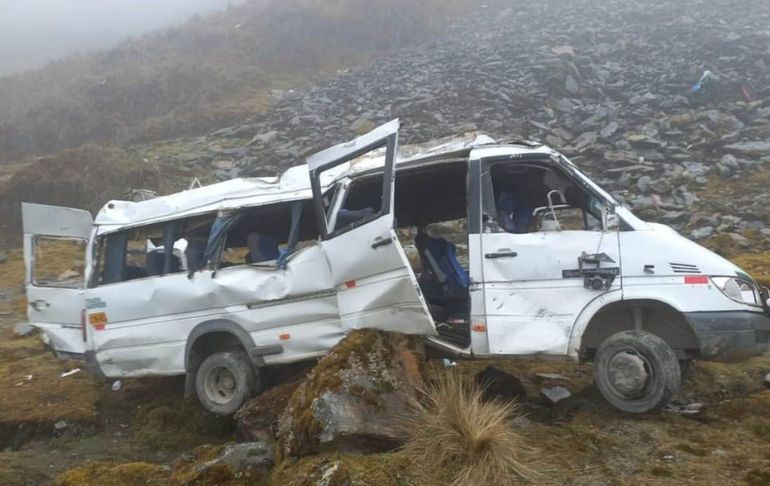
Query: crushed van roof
[[293, 184]]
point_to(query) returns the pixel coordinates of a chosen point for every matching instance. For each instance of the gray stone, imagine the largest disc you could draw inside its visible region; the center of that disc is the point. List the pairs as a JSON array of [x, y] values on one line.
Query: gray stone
[[749, 149], [362, 125], [767, 380], [3, 257], [644, 183], [642, 202], [609, 129], [571, 85], [694, 169], [247, 458], [702, 233], [555, 394], [265, 138]]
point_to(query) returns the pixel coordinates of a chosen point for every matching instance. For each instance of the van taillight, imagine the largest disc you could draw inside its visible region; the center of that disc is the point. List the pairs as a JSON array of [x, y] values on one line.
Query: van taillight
[[83, 330]]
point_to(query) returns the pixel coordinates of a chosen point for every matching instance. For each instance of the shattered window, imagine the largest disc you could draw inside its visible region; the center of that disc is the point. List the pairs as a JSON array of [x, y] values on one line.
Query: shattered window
[[261, 234], [59, 262]]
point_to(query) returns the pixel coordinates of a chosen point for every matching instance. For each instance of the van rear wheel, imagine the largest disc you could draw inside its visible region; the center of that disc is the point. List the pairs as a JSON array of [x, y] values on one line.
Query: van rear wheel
[[224, 381], [636, 371]]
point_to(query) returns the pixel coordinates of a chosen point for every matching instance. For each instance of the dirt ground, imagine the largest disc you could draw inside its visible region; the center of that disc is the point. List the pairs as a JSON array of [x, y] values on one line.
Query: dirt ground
[[50, 424]]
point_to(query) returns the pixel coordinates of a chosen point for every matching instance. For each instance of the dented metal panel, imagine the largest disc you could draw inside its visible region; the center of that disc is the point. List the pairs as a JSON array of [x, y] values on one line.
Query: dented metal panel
[[141, 326]]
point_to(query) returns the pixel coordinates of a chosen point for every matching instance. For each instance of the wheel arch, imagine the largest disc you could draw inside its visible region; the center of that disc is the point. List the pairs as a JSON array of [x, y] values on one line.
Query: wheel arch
[[224, 332], [651, 315]]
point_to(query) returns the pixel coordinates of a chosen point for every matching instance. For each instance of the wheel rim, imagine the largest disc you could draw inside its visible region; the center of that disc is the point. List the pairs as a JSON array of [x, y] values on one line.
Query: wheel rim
[[220, 385], [629, 374]]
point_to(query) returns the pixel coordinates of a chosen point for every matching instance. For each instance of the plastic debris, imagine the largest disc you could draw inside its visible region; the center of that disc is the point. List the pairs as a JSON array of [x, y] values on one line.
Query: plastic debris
[[448, 363], [704, 80], [552, 376], [70, 372], [117, 385]]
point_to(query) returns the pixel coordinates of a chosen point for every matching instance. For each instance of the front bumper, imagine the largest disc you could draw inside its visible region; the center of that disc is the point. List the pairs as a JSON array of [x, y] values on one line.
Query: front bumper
[[730, 335]]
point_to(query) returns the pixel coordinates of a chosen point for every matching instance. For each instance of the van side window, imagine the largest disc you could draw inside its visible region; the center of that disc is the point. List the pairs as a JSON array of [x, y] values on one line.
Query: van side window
[[141, 252], [58, 262], [526, 198], [260, 235], [353, 202]]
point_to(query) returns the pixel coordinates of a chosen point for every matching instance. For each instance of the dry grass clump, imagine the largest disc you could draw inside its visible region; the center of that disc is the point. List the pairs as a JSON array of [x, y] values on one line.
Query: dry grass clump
[[454, 431]]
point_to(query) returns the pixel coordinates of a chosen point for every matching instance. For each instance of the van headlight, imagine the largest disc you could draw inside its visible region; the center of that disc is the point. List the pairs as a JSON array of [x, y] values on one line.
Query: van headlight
[[739, 290]]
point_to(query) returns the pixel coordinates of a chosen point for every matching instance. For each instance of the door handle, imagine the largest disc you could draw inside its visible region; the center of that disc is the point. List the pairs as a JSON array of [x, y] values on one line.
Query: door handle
[[39, 305], [501, 254], [382, 242]]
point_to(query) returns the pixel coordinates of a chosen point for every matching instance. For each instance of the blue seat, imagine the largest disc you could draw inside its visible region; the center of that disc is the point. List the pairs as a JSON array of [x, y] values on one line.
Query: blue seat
[[439, 261]]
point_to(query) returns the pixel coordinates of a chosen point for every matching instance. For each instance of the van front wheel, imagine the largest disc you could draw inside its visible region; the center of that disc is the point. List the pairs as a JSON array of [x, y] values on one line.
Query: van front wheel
[[636, 371], [224, 381]]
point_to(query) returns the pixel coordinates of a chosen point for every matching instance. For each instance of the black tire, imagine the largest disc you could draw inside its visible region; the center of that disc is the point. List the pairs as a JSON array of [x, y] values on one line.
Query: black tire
[[637, 372], [224, 381]]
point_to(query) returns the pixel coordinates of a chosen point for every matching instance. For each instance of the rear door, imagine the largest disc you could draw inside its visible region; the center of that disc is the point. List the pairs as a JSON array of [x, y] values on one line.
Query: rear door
[[376, 287], [55, 242]]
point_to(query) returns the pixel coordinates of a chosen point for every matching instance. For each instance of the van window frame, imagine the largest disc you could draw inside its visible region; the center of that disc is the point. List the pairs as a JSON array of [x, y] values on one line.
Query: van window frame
[[389, 144], [545, 161], [33, 267], [170, 232]]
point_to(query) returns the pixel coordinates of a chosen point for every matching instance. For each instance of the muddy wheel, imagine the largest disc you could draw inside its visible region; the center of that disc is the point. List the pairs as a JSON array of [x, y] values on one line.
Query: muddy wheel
[[637, 372], [224, 381]]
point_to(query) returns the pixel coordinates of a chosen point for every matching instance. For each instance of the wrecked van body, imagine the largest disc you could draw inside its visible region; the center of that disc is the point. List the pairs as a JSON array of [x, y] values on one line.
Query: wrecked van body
[[489, 250]]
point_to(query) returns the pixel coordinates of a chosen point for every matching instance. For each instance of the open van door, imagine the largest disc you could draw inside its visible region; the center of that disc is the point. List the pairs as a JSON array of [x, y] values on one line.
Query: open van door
[[376, 287], [55, 242]]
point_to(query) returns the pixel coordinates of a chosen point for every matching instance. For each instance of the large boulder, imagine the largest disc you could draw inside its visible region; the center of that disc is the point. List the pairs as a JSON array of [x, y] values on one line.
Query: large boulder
[[257, 420], [353, 399]]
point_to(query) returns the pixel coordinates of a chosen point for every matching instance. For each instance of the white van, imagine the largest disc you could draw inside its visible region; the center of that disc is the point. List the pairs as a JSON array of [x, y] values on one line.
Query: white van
[[488, 250]]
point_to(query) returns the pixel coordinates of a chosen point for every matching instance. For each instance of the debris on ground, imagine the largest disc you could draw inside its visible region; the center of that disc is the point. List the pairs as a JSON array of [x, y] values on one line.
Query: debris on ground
[[69, 373], [555, 394], [551, 376], [685, 409]]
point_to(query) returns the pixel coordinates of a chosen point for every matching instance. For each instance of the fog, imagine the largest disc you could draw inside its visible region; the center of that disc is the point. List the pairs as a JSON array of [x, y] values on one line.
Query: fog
[[34, 32]]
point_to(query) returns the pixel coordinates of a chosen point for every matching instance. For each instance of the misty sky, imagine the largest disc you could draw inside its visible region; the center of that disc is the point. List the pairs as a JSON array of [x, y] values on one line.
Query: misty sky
[[33, 32]]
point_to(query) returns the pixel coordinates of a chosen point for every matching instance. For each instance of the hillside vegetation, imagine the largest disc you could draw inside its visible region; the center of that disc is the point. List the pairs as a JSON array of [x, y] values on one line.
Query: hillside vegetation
[[206, 73]]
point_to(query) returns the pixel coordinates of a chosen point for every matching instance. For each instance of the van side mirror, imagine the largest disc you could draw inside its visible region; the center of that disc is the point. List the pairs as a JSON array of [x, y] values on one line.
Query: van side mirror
[[611, 220]]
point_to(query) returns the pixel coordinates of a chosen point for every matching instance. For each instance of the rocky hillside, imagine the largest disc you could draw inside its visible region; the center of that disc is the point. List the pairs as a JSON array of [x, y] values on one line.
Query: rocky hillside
[[616, 88], [210, 71]]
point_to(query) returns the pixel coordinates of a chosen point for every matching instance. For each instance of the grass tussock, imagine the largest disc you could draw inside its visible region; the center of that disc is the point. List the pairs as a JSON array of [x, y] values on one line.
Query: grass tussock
[[455, 432]]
